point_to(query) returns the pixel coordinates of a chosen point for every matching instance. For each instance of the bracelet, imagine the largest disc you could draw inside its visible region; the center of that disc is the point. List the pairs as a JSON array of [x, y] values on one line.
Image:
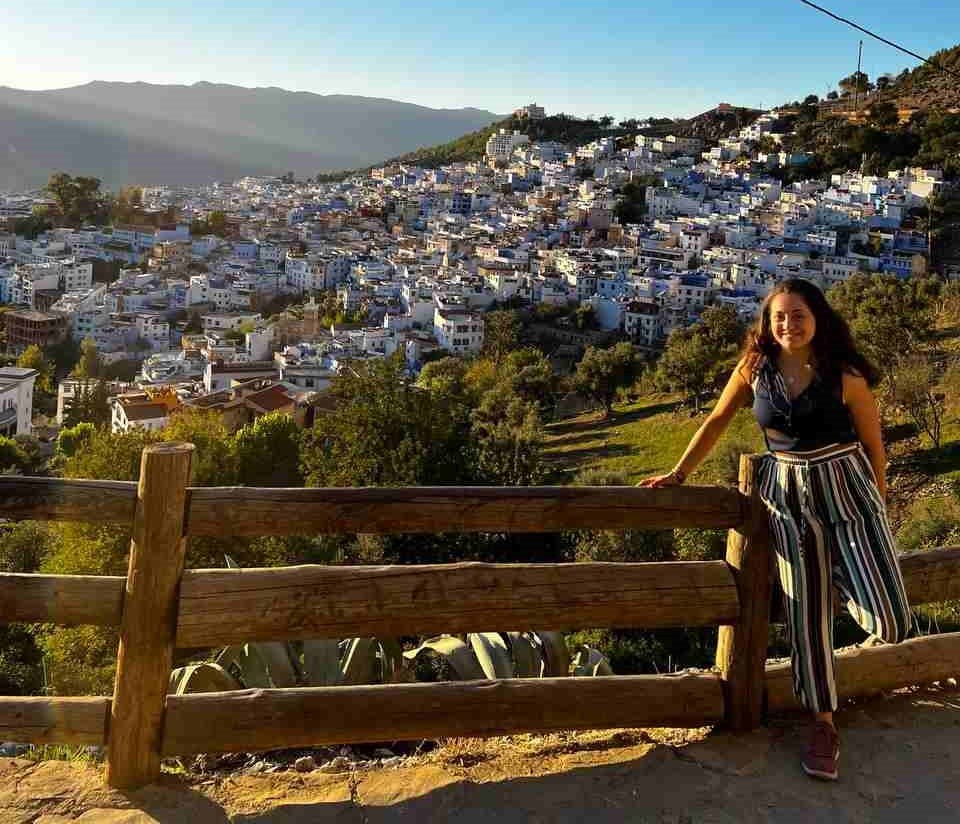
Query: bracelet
[[679, 475]]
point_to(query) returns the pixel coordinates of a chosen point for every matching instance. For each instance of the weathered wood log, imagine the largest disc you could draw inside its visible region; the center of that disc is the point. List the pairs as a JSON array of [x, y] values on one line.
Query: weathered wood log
[[149, 621], [868, 669], [266, 719], [742, 647], [59, 499], [234, 606], [68, 600], [931, 575], [81, 721], [241, 511]]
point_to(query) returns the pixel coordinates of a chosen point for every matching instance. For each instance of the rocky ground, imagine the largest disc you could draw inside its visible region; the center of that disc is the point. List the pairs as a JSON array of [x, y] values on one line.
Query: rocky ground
[[897, 765]]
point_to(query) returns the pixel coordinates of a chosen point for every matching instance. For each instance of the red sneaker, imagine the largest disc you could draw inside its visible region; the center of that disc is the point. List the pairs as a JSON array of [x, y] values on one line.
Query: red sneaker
[[820, 760]]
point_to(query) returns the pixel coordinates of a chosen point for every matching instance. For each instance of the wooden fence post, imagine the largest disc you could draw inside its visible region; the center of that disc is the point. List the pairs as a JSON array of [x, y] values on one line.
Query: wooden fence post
[[149, 621], [742, 647]]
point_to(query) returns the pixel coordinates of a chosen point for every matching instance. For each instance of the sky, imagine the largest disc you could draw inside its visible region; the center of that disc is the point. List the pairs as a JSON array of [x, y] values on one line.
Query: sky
[[606, 57]]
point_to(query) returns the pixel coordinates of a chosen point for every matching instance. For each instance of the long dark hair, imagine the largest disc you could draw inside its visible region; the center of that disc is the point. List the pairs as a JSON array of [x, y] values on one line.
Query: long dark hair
[[833, 346]]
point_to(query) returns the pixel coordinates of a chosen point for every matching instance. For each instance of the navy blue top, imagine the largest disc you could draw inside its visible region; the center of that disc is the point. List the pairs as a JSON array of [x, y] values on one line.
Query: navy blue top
[[817, 417]]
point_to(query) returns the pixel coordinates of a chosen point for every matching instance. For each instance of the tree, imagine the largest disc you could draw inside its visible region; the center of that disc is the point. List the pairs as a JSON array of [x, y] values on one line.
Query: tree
[[508, 436], [501, 333], [78, 199], [884, 114], [689, 364], [385, 431], [857, 82], [530, 376], [73, 438], [33, 358], [811, 100], [267, 452], [914, 388], [90, 404], [89, 365], [12, 456], [832, 96], [721, 327], [889, 317], [602, 372]]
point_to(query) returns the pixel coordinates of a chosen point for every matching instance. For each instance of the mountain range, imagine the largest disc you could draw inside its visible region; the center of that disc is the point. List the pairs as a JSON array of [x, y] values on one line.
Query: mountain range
[[140, 133]]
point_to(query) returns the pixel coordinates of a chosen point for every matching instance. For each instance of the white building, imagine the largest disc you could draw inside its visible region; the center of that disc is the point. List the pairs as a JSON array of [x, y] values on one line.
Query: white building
[[458, 330], [500, 146], [16, 400]]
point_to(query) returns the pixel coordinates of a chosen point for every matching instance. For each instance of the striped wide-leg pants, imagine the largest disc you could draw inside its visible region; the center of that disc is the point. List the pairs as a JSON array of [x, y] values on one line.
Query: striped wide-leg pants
[[829, 526]]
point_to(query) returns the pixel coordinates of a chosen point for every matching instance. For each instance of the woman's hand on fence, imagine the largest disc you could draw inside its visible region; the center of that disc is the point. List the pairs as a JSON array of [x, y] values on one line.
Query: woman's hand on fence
[[657, 481]]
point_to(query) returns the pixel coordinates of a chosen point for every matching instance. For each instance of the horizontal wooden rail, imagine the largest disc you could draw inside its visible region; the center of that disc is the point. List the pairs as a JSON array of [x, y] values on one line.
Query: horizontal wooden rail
[[68, 600], [316, 594], [252, 720], [885, 667], [59, 499], [931, 575], [242, 511], [234, 606], [231, 512], [82, 721]]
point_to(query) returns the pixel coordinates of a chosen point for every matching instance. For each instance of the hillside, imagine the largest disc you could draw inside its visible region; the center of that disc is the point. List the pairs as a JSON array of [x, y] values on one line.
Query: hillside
[[574, 131], [127, 133]]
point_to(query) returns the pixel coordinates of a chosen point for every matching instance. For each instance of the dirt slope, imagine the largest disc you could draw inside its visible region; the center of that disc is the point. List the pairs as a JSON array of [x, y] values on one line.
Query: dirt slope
[[898, 765]]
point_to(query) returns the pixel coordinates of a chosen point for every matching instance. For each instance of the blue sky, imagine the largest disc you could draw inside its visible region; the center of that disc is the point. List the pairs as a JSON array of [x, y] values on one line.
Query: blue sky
[[625, 59]]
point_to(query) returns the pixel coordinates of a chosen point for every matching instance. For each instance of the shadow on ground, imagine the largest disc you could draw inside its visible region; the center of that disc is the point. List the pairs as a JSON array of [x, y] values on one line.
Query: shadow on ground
[[898, 765]]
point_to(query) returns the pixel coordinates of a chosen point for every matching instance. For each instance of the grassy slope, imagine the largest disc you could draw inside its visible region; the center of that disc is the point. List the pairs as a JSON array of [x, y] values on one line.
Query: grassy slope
[[642, 439]]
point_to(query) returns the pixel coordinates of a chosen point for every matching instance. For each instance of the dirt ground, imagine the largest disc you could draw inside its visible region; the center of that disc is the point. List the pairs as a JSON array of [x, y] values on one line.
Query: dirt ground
[[897, 765]]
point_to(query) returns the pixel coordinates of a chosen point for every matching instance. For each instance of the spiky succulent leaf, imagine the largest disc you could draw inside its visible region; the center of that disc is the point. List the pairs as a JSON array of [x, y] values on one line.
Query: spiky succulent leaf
[[455, 652], [492, 654], [391, 660], [526, 655], [590, 661], [321, 662], [204, 677], [360, 661], [556, 658]]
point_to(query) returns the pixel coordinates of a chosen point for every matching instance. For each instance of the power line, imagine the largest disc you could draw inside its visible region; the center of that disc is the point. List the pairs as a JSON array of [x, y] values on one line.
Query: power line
[[881, 39]]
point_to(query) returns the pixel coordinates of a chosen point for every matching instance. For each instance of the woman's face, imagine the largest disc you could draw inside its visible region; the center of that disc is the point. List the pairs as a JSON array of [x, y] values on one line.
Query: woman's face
[[791, 322]]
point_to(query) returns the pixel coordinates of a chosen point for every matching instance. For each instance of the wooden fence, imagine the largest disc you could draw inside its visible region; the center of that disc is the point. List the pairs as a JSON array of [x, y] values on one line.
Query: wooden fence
[[159, 606]]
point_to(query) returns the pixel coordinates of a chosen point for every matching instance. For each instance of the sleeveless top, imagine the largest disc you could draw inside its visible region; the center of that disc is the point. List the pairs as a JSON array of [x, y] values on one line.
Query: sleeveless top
[[817, 417]]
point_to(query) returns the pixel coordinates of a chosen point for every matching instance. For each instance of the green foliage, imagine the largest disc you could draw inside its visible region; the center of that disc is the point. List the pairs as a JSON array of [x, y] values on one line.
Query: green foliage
[[12, 456], [89, 365], [214, 224], [889, 317], [384, 431], [267, 452], [501, 333], [78, 200], [90, 404], [215, 461], [23, 546], [73, 438], [602, 372], [33, 226], [932, 522], [689, 365], [109, 456], [33, 358], [631, 205], [508, 436]]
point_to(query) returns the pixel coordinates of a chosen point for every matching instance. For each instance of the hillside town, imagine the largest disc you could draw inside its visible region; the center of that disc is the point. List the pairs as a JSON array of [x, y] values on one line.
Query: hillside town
[[306, 277]]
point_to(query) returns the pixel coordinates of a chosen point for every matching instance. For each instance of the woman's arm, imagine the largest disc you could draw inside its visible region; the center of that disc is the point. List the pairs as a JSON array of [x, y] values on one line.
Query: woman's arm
[[866, 421], [735, 394]]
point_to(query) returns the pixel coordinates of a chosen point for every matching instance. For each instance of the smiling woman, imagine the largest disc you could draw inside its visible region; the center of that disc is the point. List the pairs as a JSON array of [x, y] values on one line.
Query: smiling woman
[[823, 484]]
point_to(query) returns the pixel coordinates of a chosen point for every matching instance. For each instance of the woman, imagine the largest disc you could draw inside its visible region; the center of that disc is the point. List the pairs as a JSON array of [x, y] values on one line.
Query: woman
[[823, 481]]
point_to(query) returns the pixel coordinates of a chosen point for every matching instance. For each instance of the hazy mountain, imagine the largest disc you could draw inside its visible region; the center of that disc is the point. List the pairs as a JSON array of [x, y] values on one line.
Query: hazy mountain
[[142, 133]]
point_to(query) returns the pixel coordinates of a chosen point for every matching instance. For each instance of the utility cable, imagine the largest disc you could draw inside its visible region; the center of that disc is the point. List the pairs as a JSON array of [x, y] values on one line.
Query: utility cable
[[881, 39]]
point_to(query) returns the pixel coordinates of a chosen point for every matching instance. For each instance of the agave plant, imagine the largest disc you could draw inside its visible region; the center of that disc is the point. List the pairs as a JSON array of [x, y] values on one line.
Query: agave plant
[[330, 662]]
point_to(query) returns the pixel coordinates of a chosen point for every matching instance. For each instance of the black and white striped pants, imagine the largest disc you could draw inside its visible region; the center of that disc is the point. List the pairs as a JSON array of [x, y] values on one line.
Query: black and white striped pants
[[829, 525]]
